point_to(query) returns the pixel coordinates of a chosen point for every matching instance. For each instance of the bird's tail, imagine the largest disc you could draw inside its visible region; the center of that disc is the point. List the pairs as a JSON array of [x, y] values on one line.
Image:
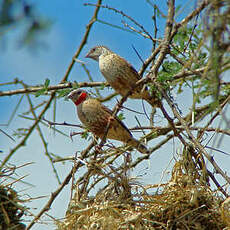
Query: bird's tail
[[153, 101], [152, 98], [139, 146]]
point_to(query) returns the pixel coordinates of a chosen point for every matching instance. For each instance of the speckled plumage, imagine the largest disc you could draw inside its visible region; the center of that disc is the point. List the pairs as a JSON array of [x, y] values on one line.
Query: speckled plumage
[[119, 73], [95, 117]]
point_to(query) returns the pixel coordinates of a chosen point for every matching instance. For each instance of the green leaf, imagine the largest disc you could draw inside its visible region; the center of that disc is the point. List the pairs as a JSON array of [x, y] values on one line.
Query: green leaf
[[44, 89], [177, 9], [75, 85], [47, 82], [40, 92], [85, 134], [102, 86], [121, 116], [63, 92]]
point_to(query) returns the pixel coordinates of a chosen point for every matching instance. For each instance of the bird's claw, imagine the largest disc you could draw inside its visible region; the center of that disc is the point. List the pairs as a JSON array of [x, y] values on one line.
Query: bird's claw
[[98, 148], [71, 135], [111, 118]]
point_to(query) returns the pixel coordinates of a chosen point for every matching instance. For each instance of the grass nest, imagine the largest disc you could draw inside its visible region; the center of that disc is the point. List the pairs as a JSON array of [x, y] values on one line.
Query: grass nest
[[11, 209], [182, 203]]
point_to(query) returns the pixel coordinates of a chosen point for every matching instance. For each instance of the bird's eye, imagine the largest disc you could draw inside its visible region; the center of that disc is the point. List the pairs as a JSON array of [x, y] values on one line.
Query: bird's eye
[[79, 92], [93, 50]]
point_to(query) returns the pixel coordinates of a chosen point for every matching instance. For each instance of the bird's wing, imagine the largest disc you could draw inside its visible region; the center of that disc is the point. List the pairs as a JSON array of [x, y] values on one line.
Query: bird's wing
[[133, 70], [110, 112], [129, 67]]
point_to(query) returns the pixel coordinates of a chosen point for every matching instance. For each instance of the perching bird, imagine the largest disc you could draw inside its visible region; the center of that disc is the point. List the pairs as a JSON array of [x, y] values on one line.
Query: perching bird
[[121, 76], [95, 116]]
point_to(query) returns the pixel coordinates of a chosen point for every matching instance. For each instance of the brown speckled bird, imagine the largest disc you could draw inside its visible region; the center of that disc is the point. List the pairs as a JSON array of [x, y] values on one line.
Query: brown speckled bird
[[95, 117], [121, 76]]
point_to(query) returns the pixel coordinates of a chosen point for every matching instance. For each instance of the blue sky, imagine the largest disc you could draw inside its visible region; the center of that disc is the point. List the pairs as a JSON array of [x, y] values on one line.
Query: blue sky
[[51, 61]]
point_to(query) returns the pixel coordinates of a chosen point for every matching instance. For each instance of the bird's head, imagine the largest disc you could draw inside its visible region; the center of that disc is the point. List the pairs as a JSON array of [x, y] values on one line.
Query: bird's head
[[78, 96], [98, 51]]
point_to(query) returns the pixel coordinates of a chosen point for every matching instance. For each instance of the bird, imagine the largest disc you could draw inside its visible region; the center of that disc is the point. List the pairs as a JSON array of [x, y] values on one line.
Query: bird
[[120, 74], [95, 117]]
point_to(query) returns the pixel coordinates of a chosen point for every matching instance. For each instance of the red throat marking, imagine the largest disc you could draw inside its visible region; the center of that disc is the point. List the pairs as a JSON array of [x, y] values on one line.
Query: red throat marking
[[81, 98]]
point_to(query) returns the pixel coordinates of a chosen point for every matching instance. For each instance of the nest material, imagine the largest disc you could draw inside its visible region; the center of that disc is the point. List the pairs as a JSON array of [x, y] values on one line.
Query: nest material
[[183, 203], [10, 209]]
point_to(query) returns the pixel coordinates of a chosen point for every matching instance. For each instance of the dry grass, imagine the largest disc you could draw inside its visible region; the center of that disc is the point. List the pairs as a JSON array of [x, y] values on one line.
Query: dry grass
[[182, 203], [11, 209]]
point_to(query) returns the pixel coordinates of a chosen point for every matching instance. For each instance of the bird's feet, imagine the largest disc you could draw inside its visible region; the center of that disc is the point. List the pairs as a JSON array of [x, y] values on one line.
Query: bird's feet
[[111, 119], [72, 133], [98, 148]]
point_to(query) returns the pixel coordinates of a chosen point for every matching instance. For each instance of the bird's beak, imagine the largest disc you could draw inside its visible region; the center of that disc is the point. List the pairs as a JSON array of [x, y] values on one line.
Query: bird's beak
[[87, 55], [69, 96]]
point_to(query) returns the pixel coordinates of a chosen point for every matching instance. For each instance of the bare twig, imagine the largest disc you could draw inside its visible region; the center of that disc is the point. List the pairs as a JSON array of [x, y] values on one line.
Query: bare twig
[[220, 109], [67, 85], [42, 138], [23, 141], [124, 15], [183, 22], [51, 123], [84, 40], [193, 139], [7, 135], [54, 195]]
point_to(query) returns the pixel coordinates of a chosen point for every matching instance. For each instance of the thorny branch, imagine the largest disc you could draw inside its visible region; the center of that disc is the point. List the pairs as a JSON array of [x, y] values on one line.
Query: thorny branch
[[60, 188], [64, 79], [169, 33], [194, 140], [67, 85], [84, 40], [42, 137], [124, 15], [23, 141], [197, 11], [84, 153]]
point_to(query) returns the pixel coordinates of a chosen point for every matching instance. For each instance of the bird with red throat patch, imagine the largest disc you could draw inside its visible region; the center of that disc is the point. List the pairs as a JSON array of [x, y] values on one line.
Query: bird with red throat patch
[[95, 116]]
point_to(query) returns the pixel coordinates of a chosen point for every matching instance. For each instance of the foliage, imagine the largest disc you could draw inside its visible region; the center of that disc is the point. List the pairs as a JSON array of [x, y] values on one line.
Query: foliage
[[12, 209], [15, 13]]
